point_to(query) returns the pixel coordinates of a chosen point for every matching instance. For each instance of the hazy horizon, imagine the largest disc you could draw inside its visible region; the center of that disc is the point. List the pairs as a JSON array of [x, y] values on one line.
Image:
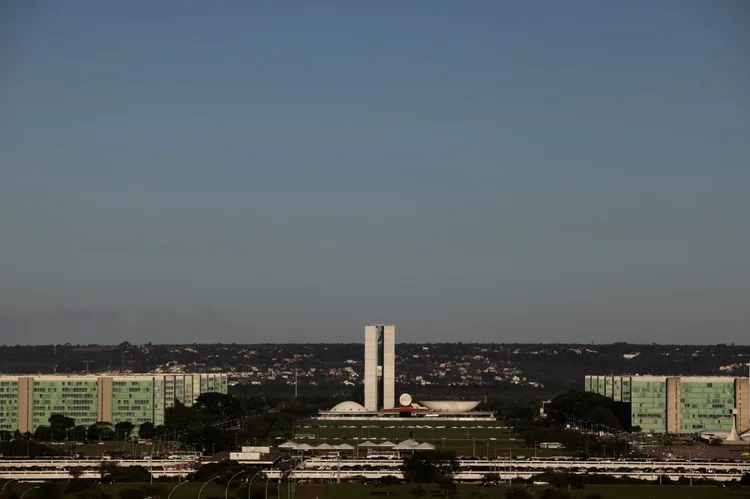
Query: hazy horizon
[[501, 172]]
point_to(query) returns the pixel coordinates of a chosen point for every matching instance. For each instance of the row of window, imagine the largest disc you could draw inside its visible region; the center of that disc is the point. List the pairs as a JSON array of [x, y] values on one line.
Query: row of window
[[69, 383], [649, 415], [708, 406], [133, 401]]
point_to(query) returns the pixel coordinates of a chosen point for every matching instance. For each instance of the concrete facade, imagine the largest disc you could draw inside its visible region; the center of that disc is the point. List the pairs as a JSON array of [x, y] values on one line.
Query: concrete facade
[[371, 368], [27, 402], [674, 408], [104, 399], [380, 367], [389, 366], [742, 396]]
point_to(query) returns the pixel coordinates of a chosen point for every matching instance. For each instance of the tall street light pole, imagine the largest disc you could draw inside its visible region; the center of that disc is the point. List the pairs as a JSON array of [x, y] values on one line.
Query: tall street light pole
[[6, 484], [173, 488], [204, 485], [249, 485], [28, 490], [226, 489], [268, 480]]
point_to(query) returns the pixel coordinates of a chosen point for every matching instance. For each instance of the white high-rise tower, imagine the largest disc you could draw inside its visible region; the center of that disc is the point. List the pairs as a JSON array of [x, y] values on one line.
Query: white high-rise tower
[[380, 366]]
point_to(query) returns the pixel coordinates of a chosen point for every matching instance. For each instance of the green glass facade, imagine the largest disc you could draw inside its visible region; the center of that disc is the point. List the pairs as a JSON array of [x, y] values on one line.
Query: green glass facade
[[706, 405], [649, 405], [27, 402], [8, 405], [132, 400], [74, 398], [659, 404]]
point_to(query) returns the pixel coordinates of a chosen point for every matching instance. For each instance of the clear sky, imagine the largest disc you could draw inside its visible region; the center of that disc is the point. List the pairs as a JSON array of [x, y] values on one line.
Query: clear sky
[[244, 171]]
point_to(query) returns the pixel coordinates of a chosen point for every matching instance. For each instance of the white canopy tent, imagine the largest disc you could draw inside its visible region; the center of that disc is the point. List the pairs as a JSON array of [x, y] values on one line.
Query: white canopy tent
[[424, 446]]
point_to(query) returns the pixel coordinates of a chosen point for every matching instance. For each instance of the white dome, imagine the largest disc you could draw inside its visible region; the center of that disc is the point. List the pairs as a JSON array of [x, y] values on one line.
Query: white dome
[[348, 406]]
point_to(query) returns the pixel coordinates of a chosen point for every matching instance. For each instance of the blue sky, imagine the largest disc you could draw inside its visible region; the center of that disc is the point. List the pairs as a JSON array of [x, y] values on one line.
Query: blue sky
[[479, 171]]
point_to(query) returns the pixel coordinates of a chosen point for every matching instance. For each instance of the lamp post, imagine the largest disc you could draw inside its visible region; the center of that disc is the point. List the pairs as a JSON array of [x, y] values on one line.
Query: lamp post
[[268, 480], [226, 489], [204, 485], [251, 483], [6, 484], [173, 488], [27, 491]]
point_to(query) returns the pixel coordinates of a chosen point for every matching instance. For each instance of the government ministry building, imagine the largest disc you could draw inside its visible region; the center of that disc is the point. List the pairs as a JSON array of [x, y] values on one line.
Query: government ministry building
[[27, 402], [676, 404]]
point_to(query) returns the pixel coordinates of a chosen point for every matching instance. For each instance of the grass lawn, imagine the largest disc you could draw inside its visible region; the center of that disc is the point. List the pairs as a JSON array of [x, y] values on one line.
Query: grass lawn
[[186, 491], [467, 438], [347, 491]]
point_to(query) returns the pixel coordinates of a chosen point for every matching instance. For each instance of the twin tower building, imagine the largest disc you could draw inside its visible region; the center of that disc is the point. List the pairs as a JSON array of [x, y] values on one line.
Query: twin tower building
[[380, 367]]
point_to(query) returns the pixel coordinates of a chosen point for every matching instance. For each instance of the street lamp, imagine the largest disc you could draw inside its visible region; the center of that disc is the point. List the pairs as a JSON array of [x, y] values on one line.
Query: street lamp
[[268, 480], [27, 491], [6, 484], [204, 485], [251, 483], [173, 488], [226, 489]]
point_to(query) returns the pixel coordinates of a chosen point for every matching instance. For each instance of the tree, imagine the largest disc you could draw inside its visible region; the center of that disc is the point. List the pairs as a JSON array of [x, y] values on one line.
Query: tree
[[100, 431], [428, 467], [388, 482], [60, 425], [75, 472], [124, 428], [79, 432], [587, 405], [447, 485], [42, 433], [108, 468], [146, 430], [220, 404]]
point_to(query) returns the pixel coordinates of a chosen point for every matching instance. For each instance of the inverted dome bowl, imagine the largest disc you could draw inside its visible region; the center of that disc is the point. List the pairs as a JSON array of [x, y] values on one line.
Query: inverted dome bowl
[[450, 405]]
